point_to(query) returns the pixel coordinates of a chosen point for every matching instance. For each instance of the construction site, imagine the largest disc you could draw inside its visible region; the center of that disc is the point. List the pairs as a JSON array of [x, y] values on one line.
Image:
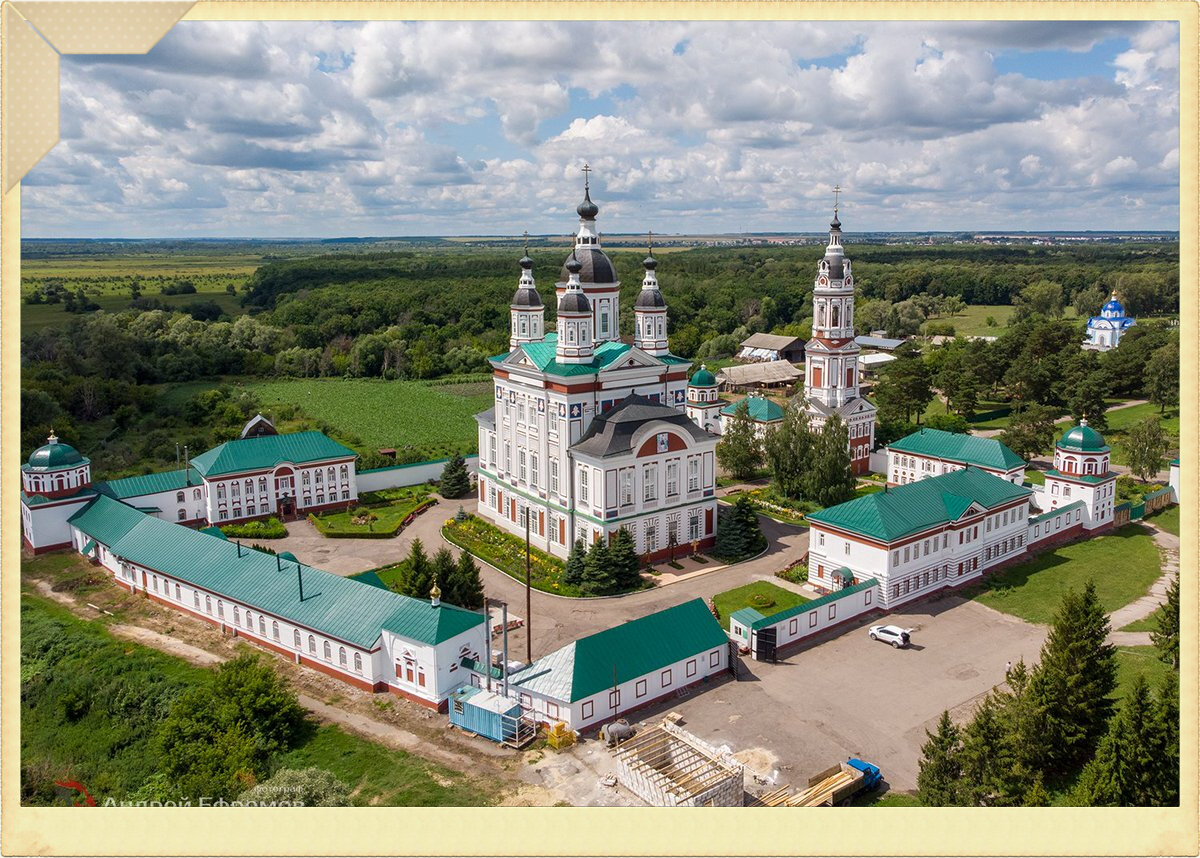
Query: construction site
[[666, 766]]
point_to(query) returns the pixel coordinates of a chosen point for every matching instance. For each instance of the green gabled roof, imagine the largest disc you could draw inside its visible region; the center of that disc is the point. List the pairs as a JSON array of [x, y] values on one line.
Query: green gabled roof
[[624, 652], [746, 616], [336, 606], [760, 408], [543, 354], [805, 607], [1079, 478], [148, 484], [959, 447], [369, 578], [912, 508], [1050, 513], [38, 500], [213, 530], [267, 451]]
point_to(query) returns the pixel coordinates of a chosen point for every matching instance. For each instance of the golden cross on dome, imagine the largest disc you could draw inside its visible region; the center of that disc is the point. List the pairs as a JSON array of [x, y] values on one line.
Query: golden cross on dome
[[837, 189], [586, 169], [525, 235], [650, 242]]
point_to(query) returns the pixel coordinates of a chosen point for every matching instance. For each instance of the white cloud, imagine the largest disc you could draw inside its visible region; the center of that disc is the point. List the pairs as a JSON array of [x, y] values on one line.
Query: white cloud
[[455, 127]]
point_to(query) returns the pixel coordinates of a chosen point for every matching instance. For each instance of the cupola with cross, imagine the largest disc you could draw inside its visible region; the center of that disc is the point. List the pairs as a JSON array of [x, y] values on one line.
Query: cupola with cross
[[650, 311], [575, 344], [597, 275], [527, 314]]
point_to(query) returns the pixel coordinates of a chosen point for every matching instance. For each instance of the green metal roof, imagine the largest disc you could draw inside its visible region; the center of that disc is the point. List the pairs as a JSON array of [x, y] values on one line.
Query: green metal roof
[[38, 500], [1080, 478], [746, 616], [760, 408], [622, 653], [702, 378], [213, 530], [87, 549], [368, 577], [902, 510], [543, 354], [805, 607], [1053, 512], [148, 484], [1082, 439], [54, 456], [267, 451], [336, 606], [959, 447]]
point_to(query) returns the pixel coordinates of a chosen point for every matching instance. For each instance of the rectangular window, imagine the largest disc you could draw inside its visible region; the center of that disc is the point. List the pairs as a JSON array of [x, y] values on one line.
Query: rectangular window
[[867, 598], [554, 476], [672, 479], [626, 487], [552, 710], [691, 667], [847, 552], [664, 678], [895, 557], [583, 485], [714, 657], [906, 554], [821, 540], [693, 525], [492, 450], [533, 471], [693, 474], [614, 698], [650, 483], [812, 619], [639, 690], [793, 626], [832, 611], [521, 466]]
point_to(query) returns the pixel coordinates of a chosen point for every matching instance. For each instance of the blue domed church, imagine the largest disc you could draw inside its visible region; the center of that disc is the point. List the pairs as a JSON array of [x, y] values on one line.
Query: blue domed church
[[1104, 331]]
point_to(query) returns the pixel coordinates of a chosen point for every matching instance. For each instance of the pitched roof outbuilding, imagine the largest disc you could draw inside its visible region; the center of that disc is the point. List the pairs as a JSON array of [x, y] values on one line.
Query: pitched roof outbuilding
[[959, 447], [265, 452]]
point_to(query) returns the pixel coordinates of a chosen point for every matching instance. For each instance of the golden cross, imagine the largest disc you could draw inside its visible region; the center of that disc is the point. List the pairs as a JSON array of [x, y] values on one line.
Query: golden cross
[[586, 169], [525, 235], [837, 189], [650, 242]]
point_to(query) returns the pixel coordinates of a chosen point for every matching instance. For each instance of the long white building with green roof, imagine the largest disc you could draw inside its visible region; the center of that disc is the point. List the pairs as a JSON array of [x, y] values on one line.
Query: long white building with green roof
[[917, 538], [365, 635], [544, 450], [931, 452]]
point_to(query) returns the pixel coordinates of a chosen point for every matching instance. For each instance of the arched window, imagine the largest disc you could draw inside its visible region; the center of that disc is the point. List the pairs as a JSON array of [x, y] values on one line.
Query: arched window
[[237, 615], [249, 487], [179, 497], [207, 605], [275, 629], [328, 651], [358, 662], [195, 494], [296, 638], [330, 474], [833, 319], [220, 609], [312, 644], [249, 620], [342, 656], [345, 472], [262, 484], [262, 626]]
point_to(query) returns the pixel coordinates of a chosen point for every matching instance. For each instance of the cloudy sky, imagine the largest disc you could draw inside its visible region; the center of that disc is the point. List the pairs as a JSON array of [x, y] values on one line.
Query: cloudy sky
[[322, 129]]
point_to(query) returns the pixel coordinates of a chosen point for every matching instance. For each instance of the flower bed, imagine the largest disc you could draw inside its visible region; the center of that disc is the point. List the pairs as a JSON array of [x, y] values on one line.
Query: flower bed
[[372, 522], [507, 553], [271, 528], [771, 504]]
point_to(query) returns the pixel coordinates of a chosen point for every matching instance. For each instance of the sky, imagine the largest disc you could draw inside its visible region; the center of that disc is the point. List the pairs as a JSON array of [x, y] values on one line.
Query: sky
[[236, 129]]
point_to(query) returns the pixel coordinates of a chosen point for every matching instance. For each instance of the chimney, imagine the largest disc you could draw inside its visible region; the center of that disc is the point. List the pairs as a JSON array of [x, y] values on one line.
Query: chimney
[[239, 545]]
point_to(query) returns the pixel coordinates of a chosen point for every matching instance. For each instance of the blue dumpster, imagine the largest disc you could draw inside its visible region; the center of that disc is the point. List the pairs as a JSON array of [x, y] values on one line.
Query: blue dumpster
[[487, 714]]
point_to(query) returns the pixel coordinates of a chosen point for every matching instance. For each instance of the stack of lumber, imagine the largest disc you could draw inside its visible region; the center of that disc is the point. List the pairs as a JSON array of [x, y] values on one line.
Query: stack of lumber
[[820, 793]]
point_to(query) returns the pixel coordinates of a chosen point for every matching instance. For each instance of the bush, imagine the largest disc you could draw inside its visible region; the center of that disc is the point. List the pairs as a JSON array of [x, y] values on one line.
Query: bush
[[271, 528]]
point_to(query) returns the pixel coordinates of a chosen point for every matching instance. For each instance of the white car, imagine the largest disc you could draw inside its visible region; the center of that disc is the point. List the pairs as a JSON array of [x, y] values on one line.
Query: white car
[[894, 635]]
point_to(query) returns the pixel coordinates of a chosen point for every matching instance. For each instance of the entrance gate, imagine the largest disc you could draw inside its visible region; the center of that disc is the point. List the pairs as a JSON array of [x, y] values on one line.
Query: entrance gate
[[764, 644]]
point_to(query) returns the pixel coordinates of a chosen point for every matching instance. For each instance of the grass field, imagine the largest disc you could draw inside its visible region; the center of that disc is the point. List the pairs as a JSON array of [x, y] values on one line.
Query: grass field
[[433, 420], [1132, 660], [1035, 477], [1167, 519], [388, 518], [743, 597], [972, 322], [1145, 624], [379, 776], [1123, 564]]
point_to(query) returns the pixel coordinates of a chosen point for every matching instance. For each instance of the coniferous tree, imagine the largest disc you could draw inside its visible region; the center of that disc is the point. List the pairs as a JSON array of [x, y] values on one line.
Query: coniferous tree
[[443, 573], [990, 773], [1124, 770], [940, 767], [623, 558], [598, 575], [1166, 636], [1030, 432], [788, 450], [1036, 795], [456, 482], [1022, 718], [1166, 716], [418, 576], [738, 531], [740, 449], [465, 587], [574, 569], [829, 480], [1074, 681]]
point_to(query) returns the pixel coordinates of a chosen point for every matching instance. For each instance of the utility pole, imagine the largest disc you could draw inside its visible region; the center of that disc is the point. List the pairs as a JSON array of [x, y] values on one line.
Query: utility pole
[[528, 598]]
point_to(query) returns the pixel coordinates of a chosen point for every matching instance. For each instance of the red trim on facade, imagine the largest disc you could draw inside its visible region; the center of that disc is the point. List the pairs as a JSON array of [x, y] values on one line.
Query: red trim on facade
[[650, 445], [595, 724], [797, 644], [428, 704], [46, 549]]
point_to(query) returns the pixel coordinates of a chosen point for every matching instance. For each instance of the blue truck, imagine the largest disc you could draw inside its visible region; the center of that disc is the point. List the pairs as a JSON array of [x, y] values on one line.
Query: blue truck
[[838, 784]]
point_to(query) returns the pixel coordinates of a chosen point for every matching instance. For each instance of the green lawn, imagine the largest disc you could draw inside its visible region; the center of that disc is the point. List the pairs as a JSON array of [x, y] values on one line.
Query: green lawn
[[388, 518], [1132, 660], [1123, 564], [434, 420], [1145, 624], [1167, 519], [742, 597], [891, 798], [972, 322], [1035, 477], [381, 776]]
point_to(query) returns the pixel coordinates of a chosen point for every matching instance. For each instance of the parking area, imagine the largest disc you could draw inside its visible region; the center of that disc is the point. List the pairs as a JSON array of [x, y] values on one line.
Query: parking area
[[851, 696]]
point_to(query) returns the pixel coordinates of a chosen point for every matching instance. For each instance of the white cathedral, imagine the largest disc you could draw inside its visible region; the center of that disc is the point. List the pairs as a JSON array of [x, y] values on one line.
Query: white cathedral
[[590, 434]]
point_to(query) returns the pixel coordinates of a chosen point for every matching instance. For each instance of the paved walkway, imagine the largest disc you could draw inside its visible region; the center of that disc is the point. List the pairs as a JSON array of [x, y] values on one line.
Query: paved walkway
[[1168, 543]]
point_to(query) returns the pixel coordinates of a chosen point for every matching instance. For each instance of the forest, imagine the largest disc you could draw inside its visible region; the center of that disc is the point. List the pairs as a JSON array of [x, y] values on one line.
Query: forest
[[199, 313]]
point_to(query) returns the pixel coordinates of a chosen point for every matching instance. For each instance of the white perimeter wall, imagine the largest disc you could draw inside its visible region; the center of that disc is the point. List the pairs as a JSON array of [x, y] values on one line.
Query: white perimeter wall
[[408, 475], [819, 618]]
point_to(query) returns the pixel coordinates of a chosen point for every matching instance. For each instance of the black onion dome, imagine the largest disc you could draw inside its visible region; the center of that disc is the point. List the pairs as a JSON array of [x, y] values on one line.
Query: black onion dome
[[526, 262], [526, 297], [650, 299], [595, 266], [587, 209], [573, 301], [650, 263], [835, 224], [573, 266]]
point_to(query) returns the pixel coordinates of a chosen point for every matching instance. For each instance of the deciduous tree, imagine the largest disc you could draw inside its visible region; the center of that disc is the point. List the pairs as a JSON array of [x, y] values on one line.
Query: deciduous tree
[[1145, 446], [740, 450]]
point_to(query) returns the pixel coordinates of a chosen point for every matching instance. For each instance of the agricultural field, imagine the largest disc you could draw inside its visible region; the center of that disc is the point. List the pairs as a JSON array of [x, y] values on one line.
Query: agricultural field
[[431, 421]]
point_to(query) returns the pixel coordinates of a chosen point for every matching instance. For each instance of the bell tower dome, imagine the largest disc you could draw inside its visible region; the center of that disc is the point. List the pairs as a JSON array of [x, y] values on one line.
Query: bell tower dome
[[526, 312], [650, 311]]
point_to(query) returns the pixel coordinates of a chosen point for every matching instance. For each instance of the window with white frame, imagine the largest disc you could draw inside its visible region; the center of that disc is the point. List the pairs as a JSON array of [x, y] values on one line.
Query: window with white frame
[[694, 474], [522, 475], [693, 525], [554, 476], [651, 534], [583, 485], [672, 479], [650, 483], [626, 487]]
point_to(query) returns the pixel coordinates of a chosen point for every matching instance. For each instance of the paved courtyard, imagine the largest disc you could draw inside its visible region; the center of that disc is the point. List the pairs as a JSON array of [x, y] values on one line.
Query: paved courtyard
[[851, 696]]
